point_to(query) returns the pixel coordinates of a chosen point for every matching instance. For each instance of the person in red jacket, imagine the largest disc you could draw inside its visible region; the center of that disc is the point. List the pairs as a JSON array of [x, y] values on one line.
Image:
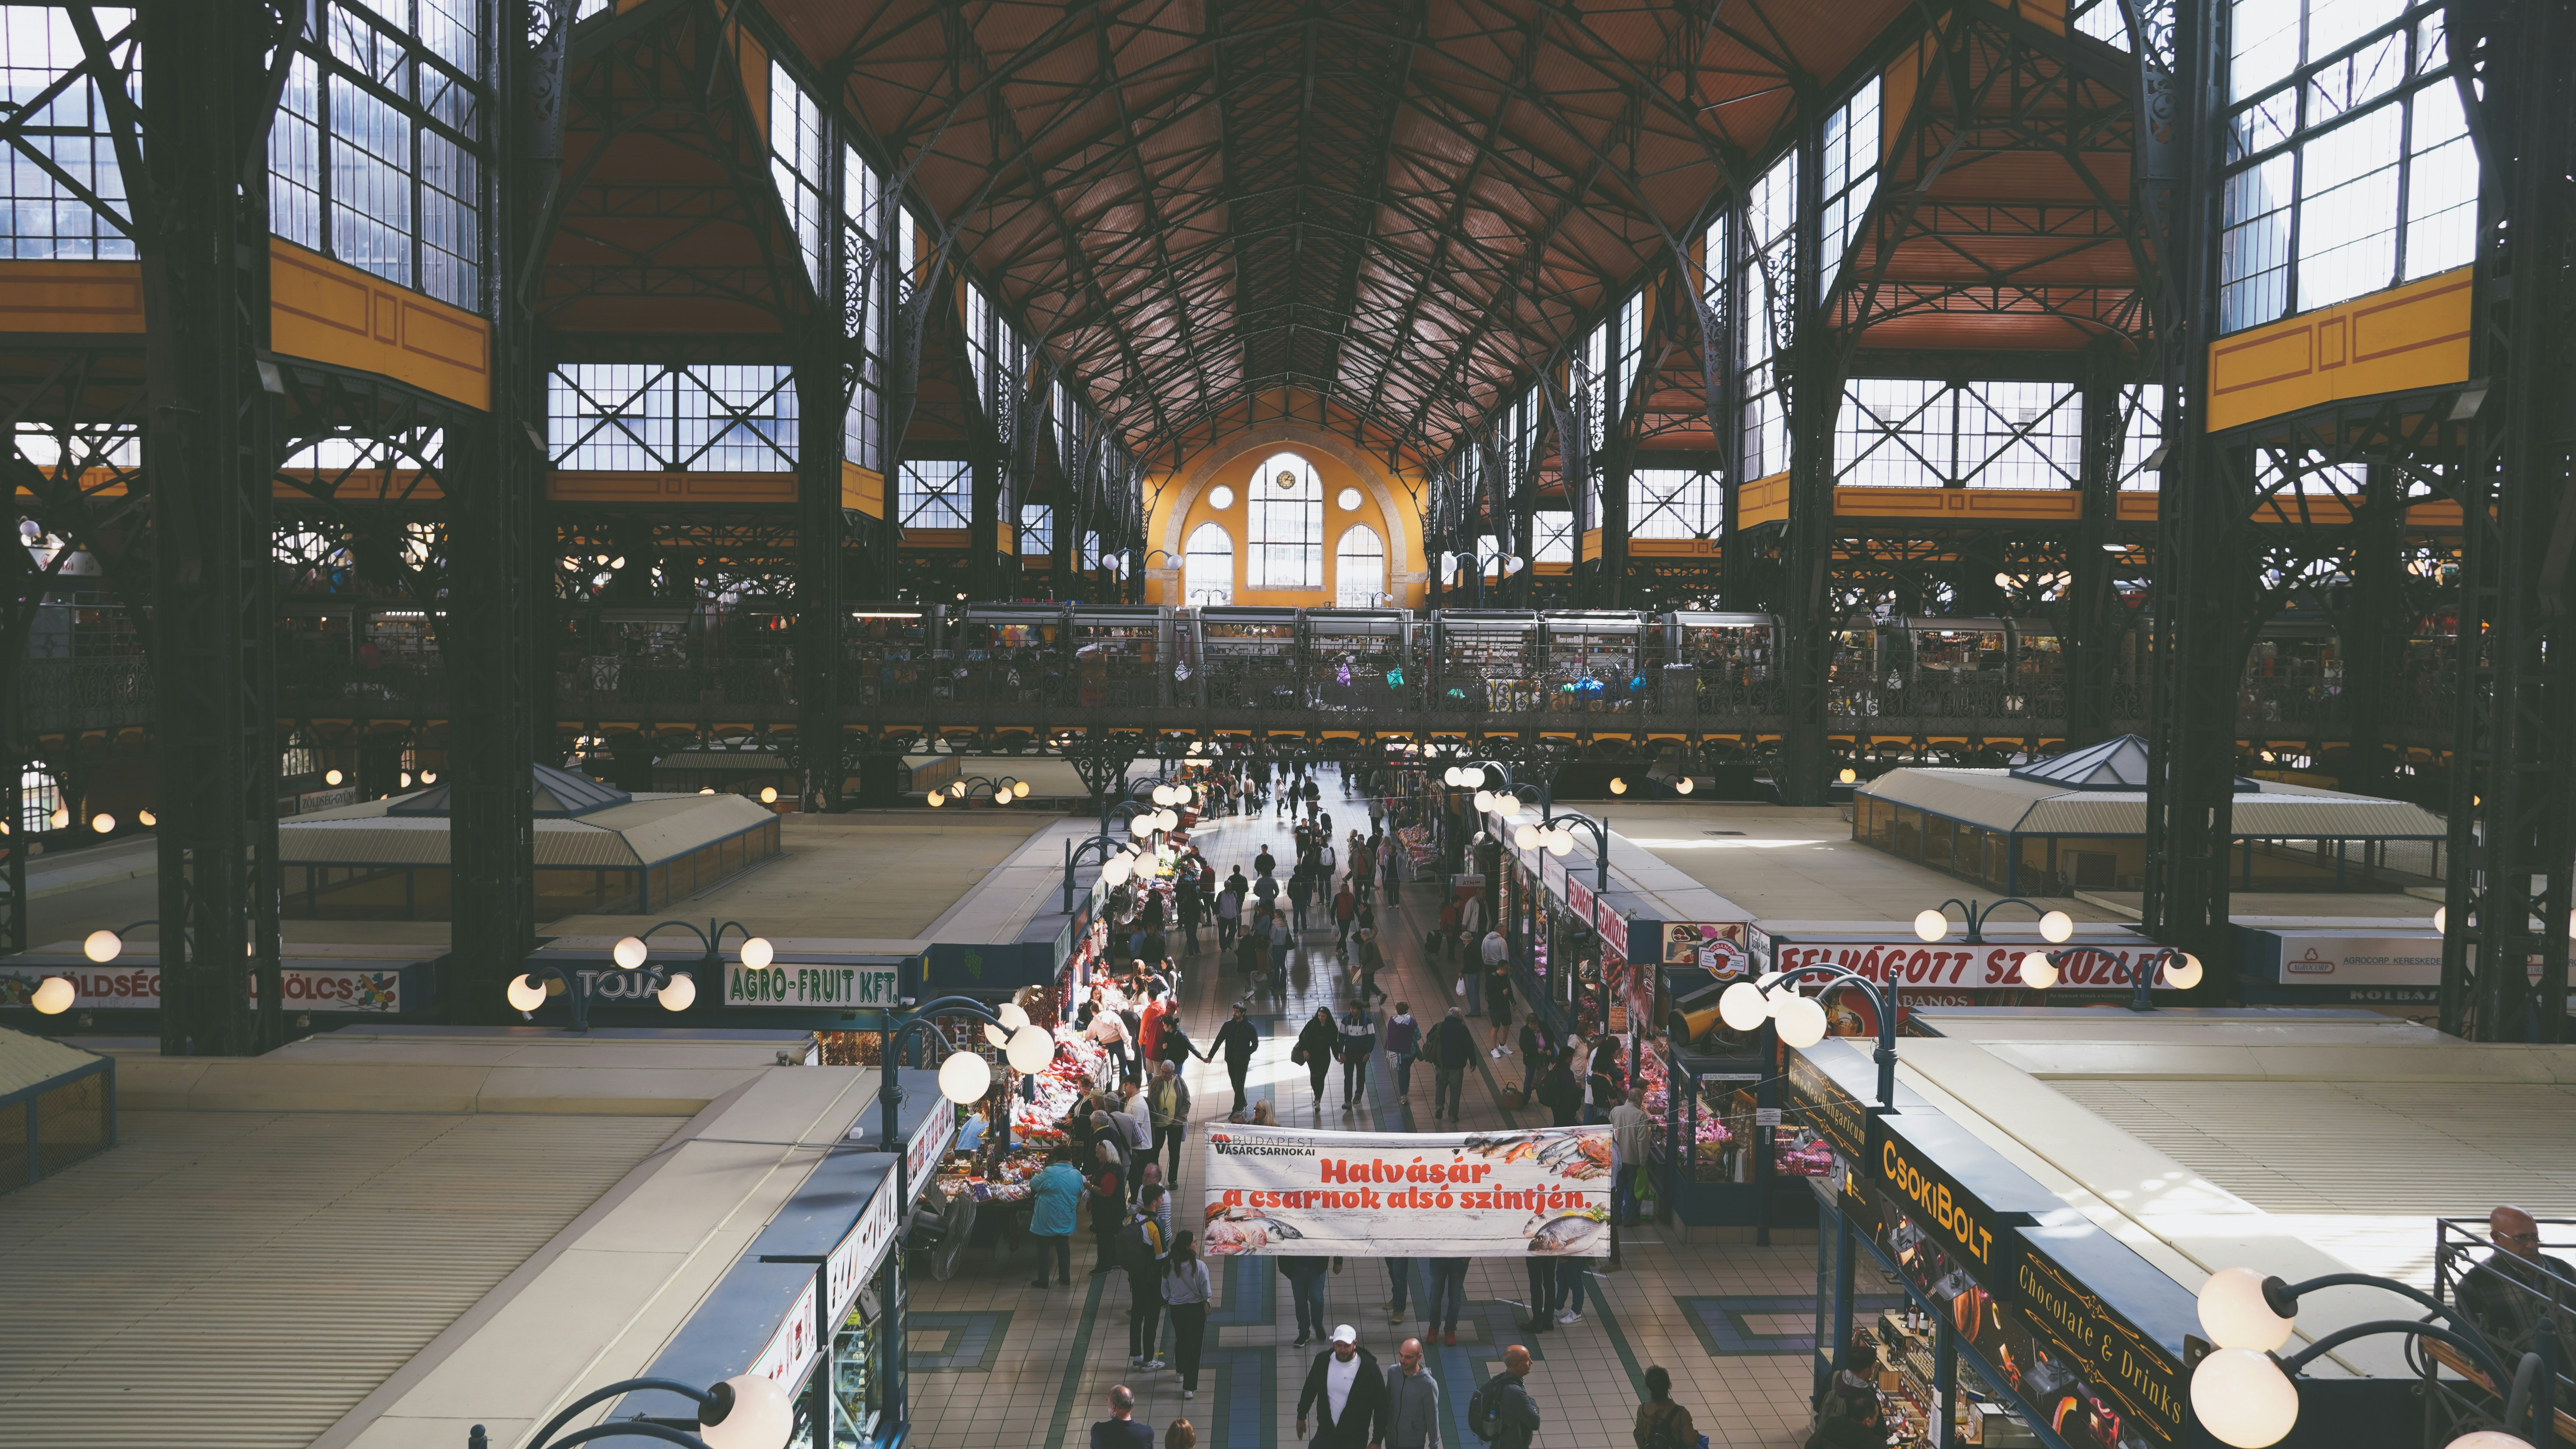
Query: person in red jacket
[[1345, 907]]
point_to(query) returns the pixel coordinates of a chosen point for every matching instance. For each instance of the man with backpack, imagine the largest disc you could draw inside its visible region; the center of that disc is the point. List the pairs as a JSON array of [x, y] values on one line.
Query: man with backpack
[[1501, 1412], [1141, 1252]]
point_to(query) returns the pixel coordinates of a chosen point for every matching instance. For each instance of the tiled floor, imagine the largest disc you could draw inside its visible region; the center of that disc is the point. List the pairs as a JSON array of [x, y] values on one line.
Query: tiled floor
[[1722, 1319]]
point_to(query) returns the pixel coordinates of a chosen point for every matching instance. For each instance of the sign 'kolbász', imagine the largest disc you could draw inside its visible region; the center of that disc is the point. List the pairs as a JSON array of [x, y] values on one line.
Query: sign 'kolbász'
[[1287, 1192]]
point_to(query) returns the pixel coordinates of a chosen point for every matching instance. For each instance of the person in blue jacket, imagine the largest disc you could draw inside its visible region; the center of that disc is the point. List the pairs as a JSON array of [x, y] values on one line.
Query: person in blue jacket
[[1052, 1195]]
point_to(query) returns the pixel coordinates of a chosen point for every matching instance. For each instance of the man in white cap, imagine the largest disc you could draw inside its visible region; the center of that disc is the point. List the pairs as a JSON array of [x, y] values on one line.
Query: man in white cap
[[1347, 1383]]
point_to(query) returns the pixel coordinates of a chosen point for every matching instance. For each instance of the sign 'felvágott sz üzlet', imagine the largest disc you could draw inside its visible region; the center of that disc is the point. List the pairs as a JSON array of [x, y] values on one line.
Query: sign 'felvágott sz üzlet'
[[1287, 1192]]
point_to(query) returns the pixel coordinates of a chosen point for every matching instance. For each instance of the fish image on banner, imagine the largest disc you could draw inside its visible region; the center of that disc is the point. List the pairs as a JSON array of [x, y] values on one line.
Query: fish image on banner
[[1543, 1192]]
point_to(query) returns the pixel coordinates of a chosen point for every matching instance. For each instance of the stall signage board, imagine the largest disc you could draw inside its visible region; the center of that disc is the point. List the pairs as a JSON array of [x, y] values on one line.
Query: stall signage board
[[861, 1249], [787, 986], [138, 988], [791, 1351], [1552, 874], [1824, 1105], [929, 1144], [1971, 1232], [2343, 958], [1757, 944], [1714, 946], [2110, 1358], [1613, 927], [1579, 896]]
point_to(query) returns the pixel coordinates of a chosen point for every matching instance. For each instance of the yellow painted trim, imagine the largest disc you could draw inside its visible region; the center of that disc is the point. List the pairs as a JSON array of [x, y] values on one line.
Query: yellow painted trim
[[331, 312], [568, 485], [1674, 548], [863, 490], [2034, 504], [87, 297], [2398, 340], [1762, 500]]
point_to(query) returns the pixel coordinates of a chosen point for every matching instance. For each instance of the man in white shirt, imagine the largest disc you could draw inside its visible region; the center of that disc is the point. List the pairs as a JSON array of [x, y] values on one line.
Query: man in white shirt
[[1346, 1381]]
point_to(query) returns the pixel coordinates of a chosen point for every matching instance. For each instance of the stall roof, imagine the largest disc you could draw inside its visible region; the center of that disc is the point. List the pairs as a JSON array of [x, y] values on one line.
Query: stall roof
[[2013, 803], [2296, 1143], [27, 1061], [645, 830]]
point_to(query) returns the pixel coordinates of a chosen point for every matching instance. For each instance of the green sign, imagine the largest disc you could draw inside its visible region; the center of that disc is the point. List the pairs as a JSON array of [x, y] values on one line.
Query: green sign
[[847, 988]]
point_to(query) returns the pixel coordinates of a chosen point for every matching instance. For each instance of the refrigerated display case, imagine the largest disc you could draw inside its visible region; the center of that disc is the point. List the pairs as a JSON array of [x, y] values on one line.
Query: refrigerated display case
[[1246, 658], [858, 1373], [1356, 659]]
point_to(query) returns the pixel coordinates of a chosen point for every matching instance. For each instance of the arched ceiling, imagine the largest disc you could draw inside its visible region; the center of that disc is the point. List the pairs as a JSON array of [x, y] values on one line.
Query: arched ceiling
[[1378, 215]]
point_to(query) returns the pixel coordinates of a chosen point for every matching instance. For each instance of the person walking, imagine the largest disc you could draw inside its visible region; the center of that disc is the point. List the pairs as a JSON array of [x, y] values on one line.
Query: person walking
[[1265, 862], [1349, 1388], [1448, 1295], [1498, 1010], [1238, 1039], [1631, 1139], [1394, 872], [1301, 892], [1191, 908], [1536, 1053], [1120, 1430], [1359, 1044], [1167, 1106], [1453, 1046], [1185, 1294], [1371, 961], [1502, 1411], [1399, 1287], [1444, 942], [1306, 1289], [1661, 1423], [1496, 956], [1345, 907], [1141, 1252], [1411, 1419], [1560, 1094], [1229, 908], [1053, 1195], [1316, 1048], [1542, 1299], [1602, 1081], [1108, 1199], [1403, 1041]]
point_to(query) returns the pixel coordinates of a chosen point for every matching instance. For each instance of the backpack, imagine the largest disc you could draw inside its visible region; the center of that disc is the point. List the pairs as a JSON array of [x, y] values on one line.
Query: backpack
[[1134, 1251], [1480, 1408]]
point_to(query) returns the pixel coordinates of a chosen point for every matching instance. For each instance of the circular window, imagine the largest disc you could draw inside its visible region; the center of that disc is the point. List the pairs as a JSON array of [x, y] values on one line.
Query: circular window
[[1348, 500], [1220, 497]]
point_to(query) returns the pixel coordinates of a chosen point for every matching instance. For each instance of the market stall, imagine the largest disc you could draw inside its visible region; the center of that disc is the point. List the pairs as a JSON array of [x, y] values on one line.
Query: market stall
[[1595, 661], [1007, 653], [1121, 655], [1485, 661], [1356, 659], [2019, 1322], [1714, 662], [1242, 657]]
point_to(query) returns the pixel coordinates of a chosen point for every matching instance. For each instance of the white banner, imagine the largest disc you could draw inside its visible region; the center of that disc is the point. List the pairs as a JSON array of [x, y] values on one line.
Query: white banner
[[1287, 1192]]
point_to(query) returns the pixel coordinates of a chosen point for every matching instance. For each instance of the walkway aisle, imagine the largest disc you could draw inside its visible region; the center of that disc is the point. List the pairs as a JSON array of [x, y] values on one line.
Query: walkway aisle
[[997, 1363]]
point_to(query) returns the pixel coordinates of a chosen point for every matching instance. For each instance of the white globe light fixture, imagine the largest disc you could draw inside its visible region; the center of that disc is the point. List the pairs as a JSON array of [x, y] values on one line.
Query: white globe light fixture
[[768, 794], [1449, 777], [332, 777], [679, 993], [757, 953], [1032, 1047], [1162, 795], [2182, 972], [103, 823], [629, 953], [1140, 825], [102, 946], [1618, 785], [965, 1077], [54, 996], [1801, 1021], [2490, 1439], [1115, 870], [527, 993], [1560, 842], [1931, 925], [1019, 789], [936, 799], [761, 1416], [2057, 928], [996, 1035], [1526, 837], [2441, 920], [1485, 802], [2243, 1398], [2037, 971], [2235, 1312], [1682, 785], [1743, 1007], [1012, 1015]]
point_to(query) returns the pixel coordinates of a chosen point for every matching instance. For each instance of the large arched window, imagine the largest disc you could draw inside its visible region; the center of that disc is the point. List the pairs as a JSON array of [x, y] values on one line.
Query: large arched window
[[1207, 566], [1286, 504], [1359, 568]]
